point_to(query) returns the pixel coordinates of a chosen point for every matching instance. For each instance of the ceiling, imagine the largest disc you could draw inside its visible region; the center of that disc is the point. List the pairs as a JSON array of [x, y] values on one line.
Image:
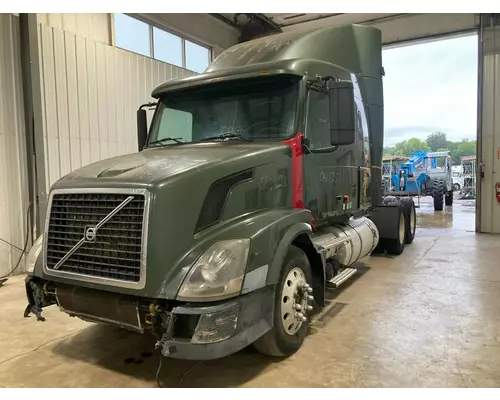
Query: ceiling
[[314, 20], [395, 28]]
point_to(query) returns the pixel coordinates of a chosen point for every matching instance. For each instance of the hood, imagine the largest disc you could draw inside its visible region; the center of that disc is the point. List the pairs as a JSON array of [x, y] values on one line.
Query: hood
[[194, 200], [156, 164]]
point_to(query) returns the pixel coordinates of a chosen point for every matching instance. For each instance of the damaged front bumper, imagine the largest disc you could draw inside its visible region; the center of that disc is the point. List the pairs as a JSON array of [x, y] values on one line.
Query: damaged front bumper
[[195, 331]]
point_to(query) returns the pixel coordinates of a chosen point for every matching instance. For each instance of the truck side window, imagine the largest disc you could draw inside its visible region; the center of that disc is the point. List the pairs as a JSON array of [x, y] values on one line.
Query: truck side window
[[176, 123], [318, 120]]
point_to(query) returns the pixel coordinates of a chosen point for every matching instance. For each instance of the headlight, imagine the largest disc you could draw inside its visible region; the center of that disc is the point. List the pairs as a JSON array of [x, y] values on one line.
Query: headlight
[[218, 273], [33, 255]]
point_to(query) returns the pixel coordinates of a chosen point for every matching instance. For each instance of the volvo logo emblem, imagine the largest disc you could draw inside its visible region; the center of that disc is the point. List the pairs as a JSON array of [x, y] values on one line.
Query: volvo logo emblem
[[90, 233]]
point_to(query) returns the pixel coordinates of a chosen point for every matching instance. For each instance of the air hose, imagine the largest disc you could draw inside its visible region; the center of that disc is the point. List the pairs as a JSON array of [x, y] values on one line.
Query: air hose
[[25, 243]]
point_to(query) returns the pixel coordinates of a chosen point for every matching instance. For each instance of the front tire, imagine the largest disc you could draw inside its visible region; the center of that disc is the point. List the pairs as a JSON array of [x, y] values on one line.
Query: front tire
[[292, 307]]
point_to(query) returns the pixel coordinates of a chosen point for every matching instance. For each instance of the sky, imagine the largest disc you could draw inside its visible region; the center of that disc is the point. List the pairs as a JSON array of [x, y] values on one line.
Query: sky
[[431, 87]]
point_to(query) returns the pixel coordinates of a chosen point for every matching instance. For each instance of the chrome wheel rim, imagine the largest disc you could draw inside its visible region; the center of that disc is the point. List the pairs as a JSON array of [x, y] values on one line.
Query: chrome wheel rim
[[412, 220], [401, 230], [295, 298]]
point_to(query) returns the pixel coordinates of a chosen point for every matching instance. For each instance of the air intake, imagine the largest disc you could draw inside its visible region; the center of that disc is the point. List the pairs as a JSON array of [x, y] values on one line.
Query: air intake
[[215, 201]]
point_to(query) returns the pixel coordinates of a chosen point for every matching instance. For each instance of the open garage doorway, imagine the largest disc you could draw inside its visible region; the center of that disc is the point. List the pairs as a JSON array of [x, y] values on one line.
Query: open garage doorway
[[430, 96]]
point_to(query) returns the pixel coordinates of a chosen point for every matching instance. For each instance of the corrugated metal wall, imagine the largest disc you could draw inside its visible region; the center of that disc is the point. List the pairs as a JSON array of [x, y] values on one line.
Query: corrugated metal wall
[[91, 93], [490, 208], [95, 26], [13, 173]]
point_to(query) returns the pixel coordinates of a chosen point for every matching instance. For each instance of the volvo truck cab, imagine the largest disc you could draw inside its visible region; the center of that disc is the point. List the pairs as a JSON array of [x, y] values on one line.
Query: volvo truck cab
[[257, 185]]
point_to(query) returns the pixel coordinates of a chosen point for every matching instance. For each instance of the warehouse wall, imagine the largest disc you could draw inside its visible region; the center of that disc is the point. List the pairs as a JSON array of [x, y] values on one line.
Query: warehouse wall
[[489, 112], [95, 26], [13, 173], [90, 93]]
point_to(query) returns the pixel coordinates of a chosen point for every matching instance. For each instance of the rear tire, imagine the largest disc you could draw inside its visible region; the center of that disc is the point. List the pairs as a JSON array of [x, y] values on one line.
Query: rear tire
[[389, 199], [396, 246], [281, 342], [448, 199], [410, 218], [438, 194]]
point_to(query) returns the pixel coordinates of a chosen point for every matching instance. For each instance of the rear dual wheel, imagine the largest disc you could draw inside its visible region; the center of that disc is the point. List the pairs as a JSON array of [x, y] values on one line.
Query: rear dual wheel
[[410, 218], [397, 245]]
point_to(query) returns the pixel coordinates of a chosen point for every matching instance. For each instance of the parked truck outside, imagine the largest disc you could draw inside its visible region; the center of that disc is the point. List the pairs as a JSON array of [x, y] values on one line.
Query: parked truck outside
[[257, 185]]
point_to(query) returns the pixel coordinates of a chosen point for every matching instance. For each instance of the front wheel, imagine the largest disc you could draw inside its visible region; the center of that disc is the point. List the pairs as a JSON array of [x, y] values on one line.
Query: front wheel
[[293, 304]]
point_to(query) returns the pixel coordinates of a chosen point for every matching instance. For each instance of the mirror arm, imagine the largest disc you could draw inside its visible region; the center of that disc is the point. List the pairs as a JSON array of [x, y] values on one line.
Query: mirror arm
[[305, 145], [148, 105]]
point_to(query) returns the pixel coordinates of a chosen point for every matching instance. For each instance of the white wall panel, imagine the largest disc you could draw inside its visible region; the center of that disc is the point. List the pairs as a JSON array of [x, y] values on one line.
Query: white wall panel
[[91, 92], [13, 172], [490, 208], [95, 26]]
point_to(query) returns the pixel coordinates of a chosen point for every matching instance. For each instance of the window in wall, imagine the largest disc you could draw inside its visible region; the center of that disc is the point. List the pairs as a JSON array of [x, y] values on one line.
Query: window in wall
[[132, 34], [197, 57], [167, 47]]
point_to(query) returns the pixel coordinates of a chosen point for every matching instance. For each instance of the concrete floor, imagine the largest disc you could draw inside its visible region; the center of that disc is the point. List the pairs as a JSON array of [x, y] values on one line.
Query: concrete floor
[[429, 318]]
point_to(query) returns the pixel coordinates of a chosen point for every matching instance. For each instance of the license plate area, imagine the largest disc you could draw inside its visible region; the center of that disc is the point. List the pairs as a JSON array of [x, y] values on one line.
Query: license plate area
[[99, 306]]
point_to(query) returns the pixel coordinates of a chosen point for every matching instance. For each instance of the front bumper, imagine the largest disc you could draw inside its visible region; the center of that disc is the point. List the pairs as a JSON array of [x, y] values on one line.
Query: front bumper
[[194, 331]]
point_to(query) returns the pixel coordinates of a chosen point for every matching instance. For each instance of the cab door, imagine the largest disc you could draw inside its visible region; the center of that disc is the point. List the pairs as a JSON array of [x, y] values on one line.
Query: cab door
[[331, 174]]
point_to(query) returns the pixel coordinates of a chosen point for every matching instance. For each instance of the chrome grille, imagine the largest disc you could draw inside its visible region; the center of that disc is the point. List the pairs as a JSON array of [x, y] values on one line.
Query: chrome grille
[[115, 252]]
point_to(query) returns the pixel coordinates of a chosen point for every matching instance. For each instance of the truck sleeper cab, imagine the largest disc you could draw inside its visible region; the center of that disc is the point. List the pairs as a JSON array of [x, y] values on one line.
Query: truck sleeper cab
[[257, 185]]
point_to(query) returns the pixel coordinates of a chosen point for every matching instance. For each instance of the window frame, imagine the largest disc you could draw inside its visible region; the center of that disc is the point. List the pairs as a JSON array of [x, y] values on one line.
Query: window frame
[[151, 25]]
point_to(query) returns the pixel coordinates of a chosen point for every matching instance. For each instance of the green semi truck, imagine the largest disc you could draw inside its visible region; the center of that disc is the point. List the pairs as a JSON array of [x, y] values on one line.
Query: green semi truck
[[256, 186]]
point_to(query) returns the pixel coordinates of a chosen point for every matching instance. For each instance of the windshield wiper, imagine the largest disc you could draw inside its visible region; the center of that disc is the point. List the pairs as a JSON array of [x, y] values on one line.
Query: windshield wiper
[[227, 135], [167, 139]]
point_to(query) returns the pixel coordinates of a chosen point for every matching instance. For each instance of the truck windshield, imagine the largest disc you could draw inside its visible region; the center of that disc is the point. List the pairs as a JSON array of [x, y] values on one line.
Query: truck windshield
[[261, 108]]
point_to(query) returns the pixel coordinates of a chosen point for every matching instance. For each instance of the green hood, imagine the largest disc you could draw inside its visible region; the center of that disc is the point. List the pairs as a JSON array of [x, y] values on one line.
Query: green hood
[[157, 164], [180, 179]]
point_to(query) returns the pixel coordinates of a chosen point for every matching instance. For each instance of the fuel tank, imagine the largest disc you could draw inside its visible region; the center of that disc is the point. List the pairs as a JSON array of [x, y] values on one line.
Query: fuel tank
[[349, 242]]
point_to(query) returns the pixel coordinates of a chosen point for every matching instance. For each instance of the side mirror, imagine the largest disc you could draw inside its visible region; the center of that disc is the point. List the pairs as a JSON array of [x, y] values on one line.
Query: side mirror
[[142, 124], [142, 128], [342, 113]]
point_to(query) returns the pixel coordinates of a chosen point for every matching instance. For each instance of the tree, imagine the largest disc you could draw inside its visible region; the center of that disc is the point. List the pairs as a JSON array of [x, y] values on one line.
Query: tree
[[466, 148], [407, 147], [437, 140], [400, 148], [415, 144], [389, 151]]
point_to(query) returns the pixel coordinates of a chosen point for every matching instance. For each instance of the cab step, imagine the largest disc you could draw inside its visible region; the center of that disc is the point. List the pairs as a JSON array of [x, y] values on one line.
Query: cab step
[[341, 277]]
